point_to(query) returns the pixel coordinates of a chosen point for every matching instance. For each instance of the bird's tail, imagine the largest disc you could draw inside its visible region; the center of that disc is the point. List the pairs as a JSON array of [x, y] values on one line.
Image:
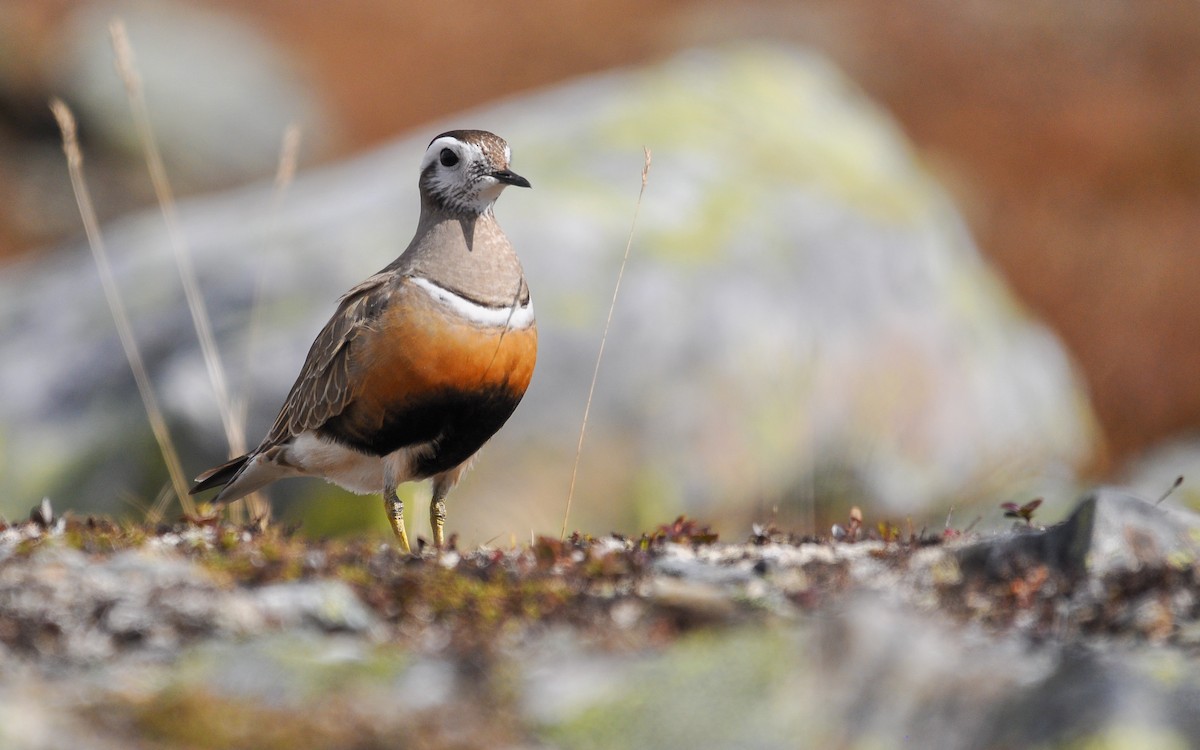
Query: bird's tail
[[241, 476], [219, 476]]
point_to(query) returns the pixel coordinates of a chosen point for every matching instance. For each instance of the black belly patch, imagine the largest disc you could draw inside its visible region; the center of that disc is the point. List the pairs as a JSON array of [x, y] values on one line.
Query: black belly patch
[[458, 423]]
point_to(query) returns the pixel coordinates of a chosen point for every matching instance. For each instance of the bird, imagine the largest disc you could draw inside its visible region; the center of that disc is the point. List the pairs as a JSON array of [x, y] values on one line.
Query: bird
[[422, 363]]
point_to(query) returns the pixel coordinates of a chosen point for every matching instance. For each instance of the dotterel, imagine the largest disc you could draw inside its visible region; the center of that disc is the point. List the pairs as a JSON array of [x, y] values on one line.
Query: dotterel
[[421, 363]]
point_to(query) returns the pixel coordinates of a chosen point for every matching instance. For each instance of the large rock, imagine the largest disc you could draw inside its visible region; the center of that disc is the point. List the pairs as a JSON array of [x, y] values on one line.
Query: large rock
[[868, 674], [1110, 533], [206, 75], [69, 608], [803, 314]]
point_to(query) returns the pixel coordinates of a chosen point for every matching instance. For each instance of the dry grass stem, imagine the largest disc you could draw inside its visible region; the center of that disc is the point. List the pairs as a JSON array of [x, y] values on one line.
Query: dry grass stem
[[603, 338], [289, 156], [235, 433], [285, 174], [158, 508], [66, 123]]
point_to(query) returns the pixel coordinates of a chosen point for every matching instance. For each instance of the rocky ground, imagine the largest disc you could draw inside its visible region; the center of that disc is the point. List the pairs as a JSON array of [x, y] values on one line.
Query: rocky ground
[[202, 635]]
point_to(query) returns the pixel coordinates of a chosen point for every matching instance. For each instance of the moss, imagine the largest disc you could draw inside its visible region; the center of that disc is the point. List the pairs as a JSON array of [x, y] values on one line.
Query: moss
[[100, 535], [673, 701], [201, 720], [482, 601], [27, 547], [1126, 736]]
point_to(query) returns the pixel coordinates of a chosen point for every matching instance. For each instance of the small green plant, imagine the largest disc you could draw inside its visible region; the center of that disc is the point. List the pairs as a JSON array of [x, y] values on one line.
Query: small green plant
[[1025, 512], [888, 532]]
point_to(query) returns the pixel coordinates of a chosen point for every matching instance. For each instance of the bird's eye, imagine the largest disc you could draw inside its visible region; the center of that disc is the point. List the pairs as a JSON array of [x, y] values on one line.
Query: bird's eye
[[448, 158]]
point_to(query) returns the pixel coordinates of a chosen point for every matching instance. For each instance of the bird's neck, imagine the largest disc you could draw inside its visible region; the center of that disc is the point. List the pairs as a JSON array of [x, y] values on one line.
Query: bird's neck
[[467, 253]]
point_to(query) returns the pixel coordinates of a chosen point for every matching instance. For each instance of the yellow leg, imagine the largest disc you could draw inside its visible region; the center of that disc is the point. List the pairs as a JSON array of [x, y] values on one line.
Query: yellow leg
[[395, 511], [442, 484], [437, 519]]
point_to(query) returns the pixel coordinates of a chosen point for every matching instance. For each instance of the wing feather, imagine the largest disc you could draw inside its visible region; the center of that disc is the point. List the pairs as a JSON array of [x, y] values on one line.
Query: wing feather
[[323, 389]]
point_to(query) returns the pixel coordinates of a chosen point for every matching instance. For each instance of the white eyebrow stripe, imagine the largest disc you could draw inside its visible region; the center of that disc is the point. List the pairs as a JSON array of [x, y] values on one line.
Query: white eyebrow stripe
[[433, 152], [517, 317]]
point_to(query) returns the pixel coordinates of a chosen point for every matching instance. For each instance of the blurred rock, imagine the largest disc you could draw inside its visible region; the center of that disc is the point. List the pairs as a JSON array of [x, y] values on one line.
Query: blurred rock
[[327, 605], [1143, 698], [225, 76], [1066, 130], [803, 315], [1070, 132], [67, 607], [870, 674], [74, 609], [1110, 533], [220, 93]]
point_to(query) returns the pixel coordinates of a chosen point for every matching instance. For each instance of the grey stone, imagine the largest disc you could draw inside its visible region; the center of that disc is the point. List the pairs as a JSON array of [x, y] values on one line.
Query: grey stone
[[324, 604], [1110, 532], [869, 674], [64, 605], [1124, 699], [205, 78], [60, 604]]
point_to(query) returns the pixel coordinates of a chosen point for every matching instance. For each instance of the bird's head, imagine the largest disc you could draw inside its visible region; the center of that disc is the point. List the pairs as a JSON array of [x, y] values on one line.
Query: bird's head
[[464, 171]]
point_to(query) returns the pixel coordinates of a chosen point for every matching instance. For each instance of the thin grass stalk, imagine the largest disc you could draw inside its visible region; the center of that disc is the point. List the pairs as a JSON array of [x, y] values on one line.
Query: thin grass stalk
[[91, 226], [285, 174], [158, 508], [235, 433], [604, 338]]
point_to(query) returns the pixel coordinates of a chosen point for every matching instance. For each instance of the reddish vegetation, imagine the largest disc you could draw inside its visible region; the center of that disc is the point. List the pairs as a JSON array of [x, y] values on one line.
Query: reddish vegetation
[[1068, 129], [385, 67]]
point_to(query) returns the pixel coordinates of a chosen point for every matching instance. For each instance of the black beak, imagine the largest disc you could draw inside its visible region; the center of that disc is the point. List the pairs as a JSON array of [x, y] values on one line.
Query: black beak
[[510, 177]]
